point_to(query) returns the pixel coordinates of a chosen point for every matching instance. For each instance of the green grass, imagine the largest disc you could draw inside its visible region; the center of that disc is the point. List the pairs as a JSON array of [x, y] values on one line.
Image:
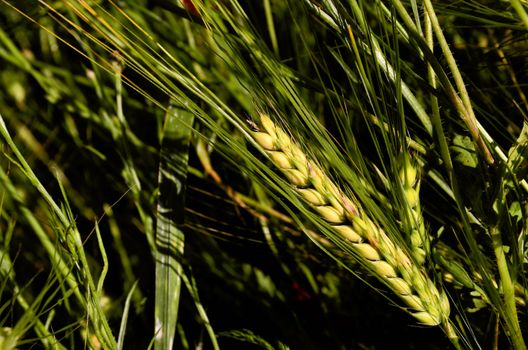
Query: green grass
[[137, 210]]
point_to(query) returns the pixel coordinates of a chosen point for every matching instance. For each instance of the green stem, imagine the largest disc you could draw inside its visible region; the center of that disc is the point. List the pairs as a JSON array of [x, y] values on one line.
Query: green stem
[[271, 26], [469, 115], [190, 283], [93, 308], [451, 334], [518, 7], [462, 105], [381, 60], [508, 289], [436, 120]]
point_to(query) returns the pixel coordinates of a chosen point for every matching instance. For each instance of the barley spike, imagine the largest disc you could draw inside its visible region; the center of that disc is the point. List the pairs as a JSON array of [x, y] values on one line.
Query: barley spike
[[413, 222], [409, 280]]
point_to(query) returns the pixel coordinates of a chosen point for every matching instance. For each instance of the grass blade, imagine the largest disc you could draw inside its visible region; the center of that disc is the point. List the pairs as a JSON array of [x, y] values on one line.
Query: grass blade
[[122, 328], [169, 237]]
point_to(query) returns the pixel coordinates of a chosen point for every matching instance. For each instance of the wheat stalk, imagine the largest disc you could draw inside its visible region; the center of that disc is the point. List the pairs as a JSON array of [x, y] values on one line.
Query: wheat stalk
[[428, 304]]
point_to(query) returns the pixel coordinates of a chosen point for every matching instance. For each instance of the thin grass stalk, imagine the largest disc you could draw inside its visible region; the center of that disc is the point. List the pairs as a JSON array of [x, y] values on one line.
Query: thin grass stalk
[[190, 284], [47, 338], [66, 232], [124, 319], [519, 8], [271, 26], [469, 116], [508, 289], [376, 52], [462, 103], [436, 69], [428, 304], [511, 317], [436, 120]]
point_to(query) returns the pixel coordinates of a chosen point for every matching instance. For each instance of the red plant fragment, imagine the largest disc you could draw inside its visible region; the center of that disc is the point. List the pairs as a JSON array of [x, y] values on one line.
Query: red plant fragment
[[300, 294], [189, 6]]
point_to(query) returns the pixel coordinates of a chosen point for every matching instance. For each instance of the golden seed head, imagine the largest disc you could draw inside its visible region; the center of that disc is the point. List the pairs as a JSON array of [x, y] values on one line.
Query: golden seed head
[[316, 176], [426, 318], [420, 284], [408, 172], [334, 196], [416, 238], [419, 255], [413, 301], [267, 124], [350, 208], [296, 178], [367, 251], [359, 226], [280, 160], [402, 259], [284, 140], [412, 196], [298, 155], [330, 214], [448, 277], [331, 188], [406, 273], [444, 302], [384, 269], [312, 196], [426, 303], [348, 233], [400, 286], [387, 247], [375, 231], [265, 141]]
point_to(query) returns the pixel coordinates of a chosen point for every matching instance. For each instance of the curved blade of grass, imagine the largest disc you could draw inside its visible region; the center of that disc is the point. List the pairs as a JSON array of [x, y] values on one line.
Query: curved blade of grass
[[381, 60], [47, 338], [67, 232], [122, 328], [191, 286], [247, 336], [521, 12], [169, 237]]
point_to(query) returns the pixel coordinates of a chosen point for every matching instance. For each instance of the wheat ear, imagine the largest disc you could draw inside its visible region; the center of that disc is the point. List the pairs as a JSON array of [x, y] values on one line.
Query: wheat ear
[[413, 222], [384, 257]]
